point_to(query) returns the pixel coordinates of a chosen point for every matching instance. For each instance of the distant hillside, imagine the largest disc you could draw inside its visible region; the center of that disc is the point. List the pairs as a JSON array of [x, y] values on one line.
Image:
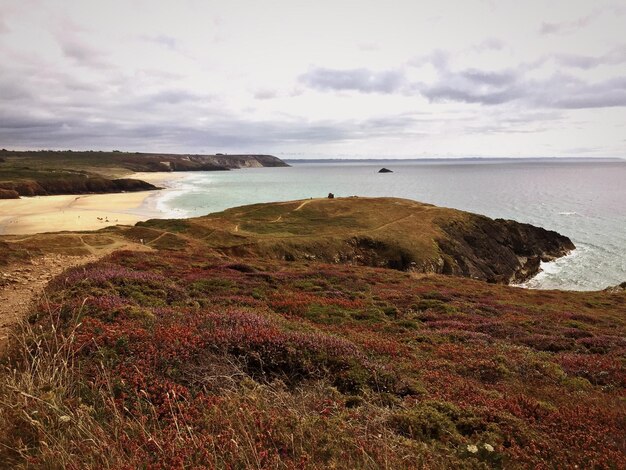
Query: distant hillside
[[382, 232], [66, 172]]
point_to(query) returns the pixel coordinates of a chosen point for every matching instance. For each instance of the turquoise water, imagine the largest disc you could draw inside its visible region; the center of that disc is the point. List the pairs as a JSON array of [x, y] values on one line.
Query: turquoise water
[[584, 200]]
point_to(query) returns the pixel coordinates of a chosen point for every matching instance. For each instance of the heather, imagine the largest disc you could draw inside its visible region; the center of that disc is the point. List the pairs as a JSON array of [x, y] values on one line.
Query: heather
[[190, 359]]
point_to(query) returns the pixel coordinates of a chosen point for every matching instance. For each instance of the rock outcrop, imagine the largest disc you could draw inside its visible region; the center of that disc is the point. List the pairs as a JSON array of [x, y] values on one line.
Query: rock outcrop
[[498, 250], [73, 185], [385, 170], [9, 194]]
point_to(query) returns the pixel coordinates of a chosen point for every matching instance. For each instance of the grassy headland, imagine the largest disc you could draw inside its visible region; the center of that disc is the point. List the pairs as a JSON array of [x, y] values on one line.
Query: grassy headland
[[383, 232], [31, 173], [213, 350]]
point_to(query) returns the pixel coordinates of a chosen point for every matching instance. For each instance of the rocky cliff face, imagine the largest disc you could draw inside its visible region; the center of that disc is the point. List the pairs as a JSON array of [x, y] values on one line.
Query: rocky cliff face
[[498, 250], [71, 185], [9, 194]]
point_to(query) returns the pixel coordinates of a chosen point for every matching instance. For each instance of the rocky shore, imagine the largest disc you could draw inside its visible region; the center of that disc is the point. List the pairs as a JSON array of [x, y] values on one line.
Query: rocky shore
[[502, 251]]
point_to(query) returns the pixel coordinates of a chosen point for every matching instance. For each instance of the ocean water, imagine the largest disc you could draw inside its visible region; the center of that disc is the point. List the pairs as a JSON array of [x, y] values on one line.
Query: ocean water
[[584, 200]]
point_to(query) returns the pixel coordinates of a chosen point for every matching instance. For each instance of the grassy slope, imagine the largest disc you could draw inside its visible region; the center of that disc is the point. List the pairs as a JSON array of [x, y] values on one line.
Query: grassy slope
[[383, 232], [319, 229], [191, 357]]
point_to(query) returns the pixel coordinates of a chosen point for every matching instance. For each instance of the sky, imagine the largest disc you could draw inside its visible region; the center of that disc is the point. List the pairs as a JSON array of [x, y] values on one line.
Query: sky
[[350, 79]]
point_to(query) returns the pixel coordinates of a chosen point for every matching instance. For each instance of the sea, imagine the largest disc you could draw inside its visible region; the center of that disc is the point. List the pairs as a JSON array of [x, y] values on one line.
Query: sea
[[582, 199]]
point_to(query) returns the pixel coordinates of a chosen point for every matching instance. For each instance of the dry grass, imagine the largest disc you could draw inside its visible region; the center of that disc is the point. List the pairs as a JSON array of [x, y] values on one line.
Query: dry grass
[[44, 422]]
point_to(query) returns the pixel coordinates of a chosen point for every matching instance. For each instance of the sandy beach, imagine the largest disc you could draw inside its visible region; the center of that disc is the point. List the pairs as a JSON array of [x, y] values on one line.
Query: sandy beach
[[39, 214]]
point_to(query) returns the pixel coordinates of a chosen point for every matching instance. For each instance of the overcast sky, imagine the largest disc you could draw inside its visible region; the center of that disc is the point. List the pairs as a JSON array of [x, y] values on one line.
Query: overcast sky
[[316, 78]]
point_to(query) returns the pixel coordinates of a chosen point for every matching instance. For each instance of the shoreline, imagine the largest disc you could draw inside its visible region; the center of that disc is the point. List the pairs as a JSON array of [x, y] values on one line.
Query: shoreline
[[78, 212]]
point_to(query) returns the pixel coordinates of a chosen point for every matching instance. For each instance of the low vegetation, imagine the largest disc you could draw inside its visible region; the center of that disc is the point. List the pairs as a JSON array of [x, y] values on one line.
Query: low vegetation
[[193, 357]]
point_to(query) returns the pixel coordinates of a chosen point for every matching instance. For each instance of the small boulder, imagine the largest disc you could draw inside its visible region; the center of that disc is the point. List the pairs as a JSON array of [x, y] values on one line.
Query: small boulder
[[385, 170], [331, 196]]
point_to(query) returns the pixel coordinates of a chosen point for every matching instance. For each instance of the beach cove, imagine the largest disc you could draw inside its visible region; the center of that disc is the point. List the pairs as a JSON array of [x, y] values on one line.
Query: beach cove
[[38, 214]]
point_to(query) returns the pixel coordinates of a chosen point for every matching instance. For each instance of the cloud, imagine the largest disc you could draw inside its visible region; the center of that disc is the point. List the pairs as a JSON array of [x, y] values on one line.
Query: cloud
[[85, 76], [485, 87], [614, 57], [489, 44], [227, 132], [565, 92], [265, 94], [569, 26], [560, 91], [79, 50], [164, 40], [169, 97], [362, 80]]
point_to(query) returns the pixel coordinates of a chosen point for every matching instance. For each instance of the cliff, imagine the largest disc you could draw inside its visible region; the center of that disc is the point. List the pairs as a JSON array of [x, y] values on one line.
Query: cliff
[[380, 232], [497, 250], [71, 184], [115, 164], [32, 173]]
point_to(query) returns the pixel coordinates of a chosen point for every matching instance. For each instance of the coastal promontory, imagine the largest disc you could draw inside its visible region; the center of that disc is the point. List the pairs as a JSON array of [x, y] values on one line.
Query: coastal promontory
[[41, 173], [382, 232]]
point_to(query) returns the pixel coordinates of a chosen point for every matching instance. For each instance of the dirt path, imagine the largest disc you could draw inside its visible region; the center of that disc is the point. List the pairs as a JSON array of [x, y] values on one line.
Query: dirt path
[[23, 283], [303, 204]]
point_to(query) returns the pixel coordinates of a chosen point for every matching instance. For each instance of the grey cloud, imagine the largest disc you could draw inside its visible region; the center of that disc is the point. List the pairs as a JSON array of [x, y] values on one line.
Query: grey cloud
[[170, 97], [568, 93], [128, 123], [614, 57], [162, 40], [449, 93], [486, 87], [363, 80], [473, 86], [489, 78], [265, 94], [569, 26], [561, 91], [489, 44], [558, 92], [80, 51], [13, 90], [438, 59]]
